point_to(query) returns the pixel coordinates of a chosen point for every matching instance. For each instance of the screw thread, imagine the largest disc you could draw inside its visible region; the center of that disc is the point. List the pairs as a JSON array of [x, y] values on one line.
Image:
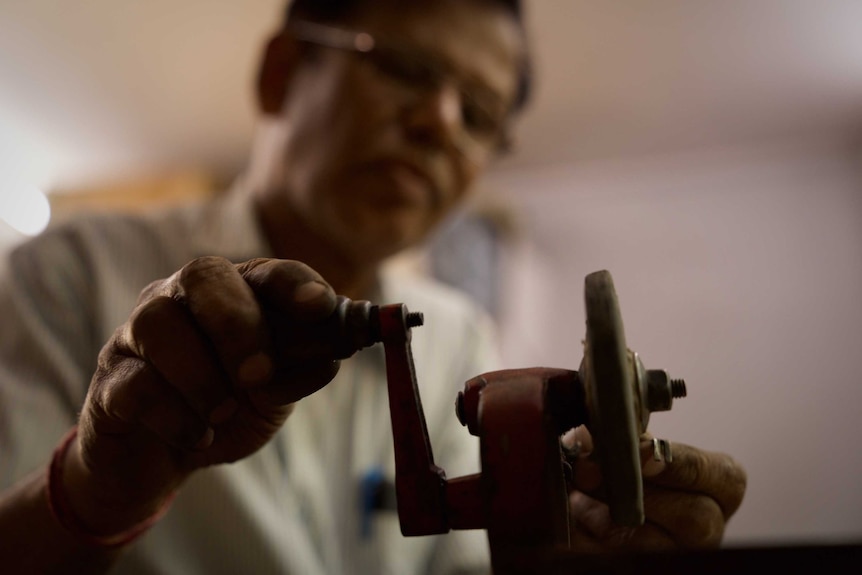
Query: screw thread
[[677, 388], [414, 319]]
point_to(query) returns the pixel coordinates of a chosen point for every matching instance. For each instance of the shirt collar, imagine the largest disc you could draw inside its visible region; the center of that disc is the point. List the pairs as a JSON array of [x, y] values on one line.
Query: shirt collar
[[229, 227]]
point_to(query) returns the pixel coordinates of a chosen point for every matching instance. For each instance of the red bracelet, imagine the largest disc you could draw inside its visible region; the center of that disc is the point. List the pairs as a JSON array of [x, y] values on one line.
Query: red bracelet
[[62, 511]]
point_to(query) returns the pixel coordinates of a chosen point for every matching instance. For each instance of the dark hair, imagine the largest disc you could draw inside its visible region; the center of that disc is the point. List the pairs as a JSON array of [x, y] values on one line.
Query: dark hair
[[328, 11]]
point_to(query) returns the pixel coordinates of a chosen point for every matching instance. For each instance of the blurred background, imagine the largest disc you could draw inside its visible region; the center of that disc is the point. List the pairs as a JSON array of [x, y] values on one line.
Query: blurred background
[[709, 154]]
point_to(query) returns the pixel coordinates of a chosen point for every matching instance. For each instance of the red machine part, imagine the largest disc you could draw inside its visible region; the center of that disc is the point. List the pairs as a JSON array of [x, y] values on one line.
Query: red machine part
[[520, 497], [523, 484], [420, 486]]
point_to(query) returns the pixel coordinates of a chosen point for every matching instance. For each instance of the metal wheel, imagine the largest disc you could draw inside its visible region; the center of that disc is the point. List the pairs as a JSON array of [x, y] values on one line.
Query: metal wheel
[[608, 375]]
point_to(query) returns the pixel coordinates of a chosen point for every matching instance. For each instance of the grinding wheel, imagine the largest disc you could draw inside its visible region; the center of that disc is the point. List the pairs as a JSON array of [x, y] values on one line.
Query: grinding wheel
[[608, 375]]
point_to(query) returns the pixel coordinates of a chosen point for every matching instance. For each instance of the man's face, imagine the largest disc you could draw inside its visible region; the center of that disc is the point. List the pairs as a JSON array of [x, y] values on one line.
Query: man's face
[[372, 163]]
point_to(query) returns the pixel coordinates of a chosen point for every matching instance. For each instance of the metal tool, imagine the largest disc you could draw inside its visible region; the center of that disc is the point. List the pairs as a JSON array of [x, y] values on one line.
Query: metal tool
[[521, 495]]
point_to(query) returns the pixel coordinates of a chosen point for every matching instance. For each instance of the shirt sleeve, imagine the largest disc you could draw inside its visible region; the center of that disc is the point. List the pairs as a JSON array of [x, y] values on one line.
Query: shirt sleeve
[[46, 350]]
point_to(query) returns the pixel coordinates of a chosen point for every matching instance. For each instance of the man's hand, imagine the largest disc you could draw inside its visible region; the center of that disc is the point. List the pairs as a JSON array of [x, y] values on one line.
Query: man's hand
[[687, 502], [199, 375]]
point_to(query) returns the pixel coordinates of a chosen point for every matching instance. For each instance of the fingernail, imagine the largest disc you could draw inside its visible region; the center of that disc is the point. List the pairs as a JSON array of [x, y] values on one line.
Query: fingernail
[[206, 440], [308, 291], [569, 439], [224, 411], [255, 369]]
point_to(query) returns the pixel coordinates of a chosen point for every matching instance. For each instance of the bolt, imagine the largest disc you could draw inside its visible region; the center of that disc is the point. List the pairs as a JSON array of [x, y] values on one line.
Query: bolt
[[415, 319], [661, 390]]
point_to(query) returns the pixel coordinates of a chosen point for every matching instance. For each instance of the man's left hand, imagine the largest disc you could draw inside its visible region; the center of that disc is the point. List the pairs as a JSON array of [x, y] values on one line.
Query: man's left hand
[[687, 501]]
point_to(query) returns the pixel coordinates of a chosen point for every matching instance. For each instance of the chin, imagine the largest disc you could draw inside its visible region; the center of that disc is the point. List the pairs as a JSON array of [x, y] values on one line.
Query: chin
[[378, 245], [380, 236]]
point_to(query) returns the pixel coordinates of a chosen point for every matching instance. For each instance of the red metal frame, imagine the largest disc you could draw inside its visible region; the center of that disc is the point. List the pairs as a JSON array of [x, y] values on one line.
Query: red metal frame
[[520, 497]]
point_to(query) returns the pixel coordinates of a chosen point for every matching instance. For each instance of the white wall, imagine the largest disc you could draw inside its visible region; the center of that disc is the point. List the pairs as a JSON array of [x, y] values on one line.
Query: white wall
[[738, 270]]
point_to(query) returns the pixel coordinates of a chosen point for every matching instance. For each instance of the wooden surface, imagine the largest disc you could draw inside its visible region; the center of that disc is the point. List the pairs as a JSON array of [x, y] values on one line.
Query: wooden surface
[[133, 194]]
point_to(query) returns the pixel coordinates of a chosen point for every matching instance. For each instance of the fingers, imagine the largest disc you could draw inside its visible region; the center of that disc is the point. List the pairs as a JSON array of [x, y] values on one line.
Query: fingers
[[579, 436], [201, 340], [292, 384], [714, 474], [289, 288], [687, 501], [694, 520], [129, 393], [587, 473], [227, 312], [590, 514], [297, 301], [593, 530], [235, 307], [165, 334], [674, 519], [194, 377]]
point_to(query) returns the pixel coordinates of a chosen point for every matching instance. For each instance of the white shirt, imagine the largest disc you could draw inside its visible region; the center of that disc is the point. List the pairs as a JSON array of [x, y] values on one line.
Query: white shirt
[[294, 506]]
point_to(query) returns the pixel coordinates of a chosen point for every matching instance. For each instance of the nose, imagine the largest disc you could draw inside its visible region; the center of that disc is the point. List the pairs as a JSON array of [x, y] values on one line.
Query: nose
[[434, 118]]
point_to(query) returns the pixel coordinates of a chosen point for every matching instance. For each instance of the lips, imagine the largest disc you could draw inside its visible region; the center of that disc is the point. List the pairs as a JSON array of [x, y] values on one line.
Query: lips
[[408, 185]]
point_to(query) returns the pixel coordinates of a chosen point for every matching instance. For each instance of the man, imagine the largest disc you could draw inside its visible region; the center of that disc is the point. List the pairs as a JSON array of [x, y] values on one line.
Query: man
[[377, 116]]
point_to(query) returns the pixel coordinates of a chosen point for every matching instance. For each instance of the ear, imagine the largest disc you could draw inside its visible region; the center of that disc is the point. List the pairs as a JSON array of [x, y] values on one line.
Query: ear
[[277, 65]]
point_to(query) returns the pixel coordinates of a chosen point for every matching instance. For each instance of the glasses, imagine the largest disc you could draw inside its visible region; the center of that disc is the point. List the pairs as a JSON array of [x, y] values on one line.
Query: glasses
[[484, 115]]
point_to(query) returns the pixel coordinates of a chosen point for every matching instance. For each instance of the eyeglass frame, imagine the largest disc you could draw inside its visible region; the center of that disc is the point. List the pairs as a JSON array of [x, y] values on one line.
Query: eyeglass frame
[[364, 43]]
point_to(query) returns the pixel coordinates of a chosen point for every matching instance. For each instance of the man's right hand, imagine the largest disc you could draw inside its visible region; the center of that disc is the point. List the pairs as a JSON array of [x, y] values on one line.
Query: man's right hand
[[197, 376]]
